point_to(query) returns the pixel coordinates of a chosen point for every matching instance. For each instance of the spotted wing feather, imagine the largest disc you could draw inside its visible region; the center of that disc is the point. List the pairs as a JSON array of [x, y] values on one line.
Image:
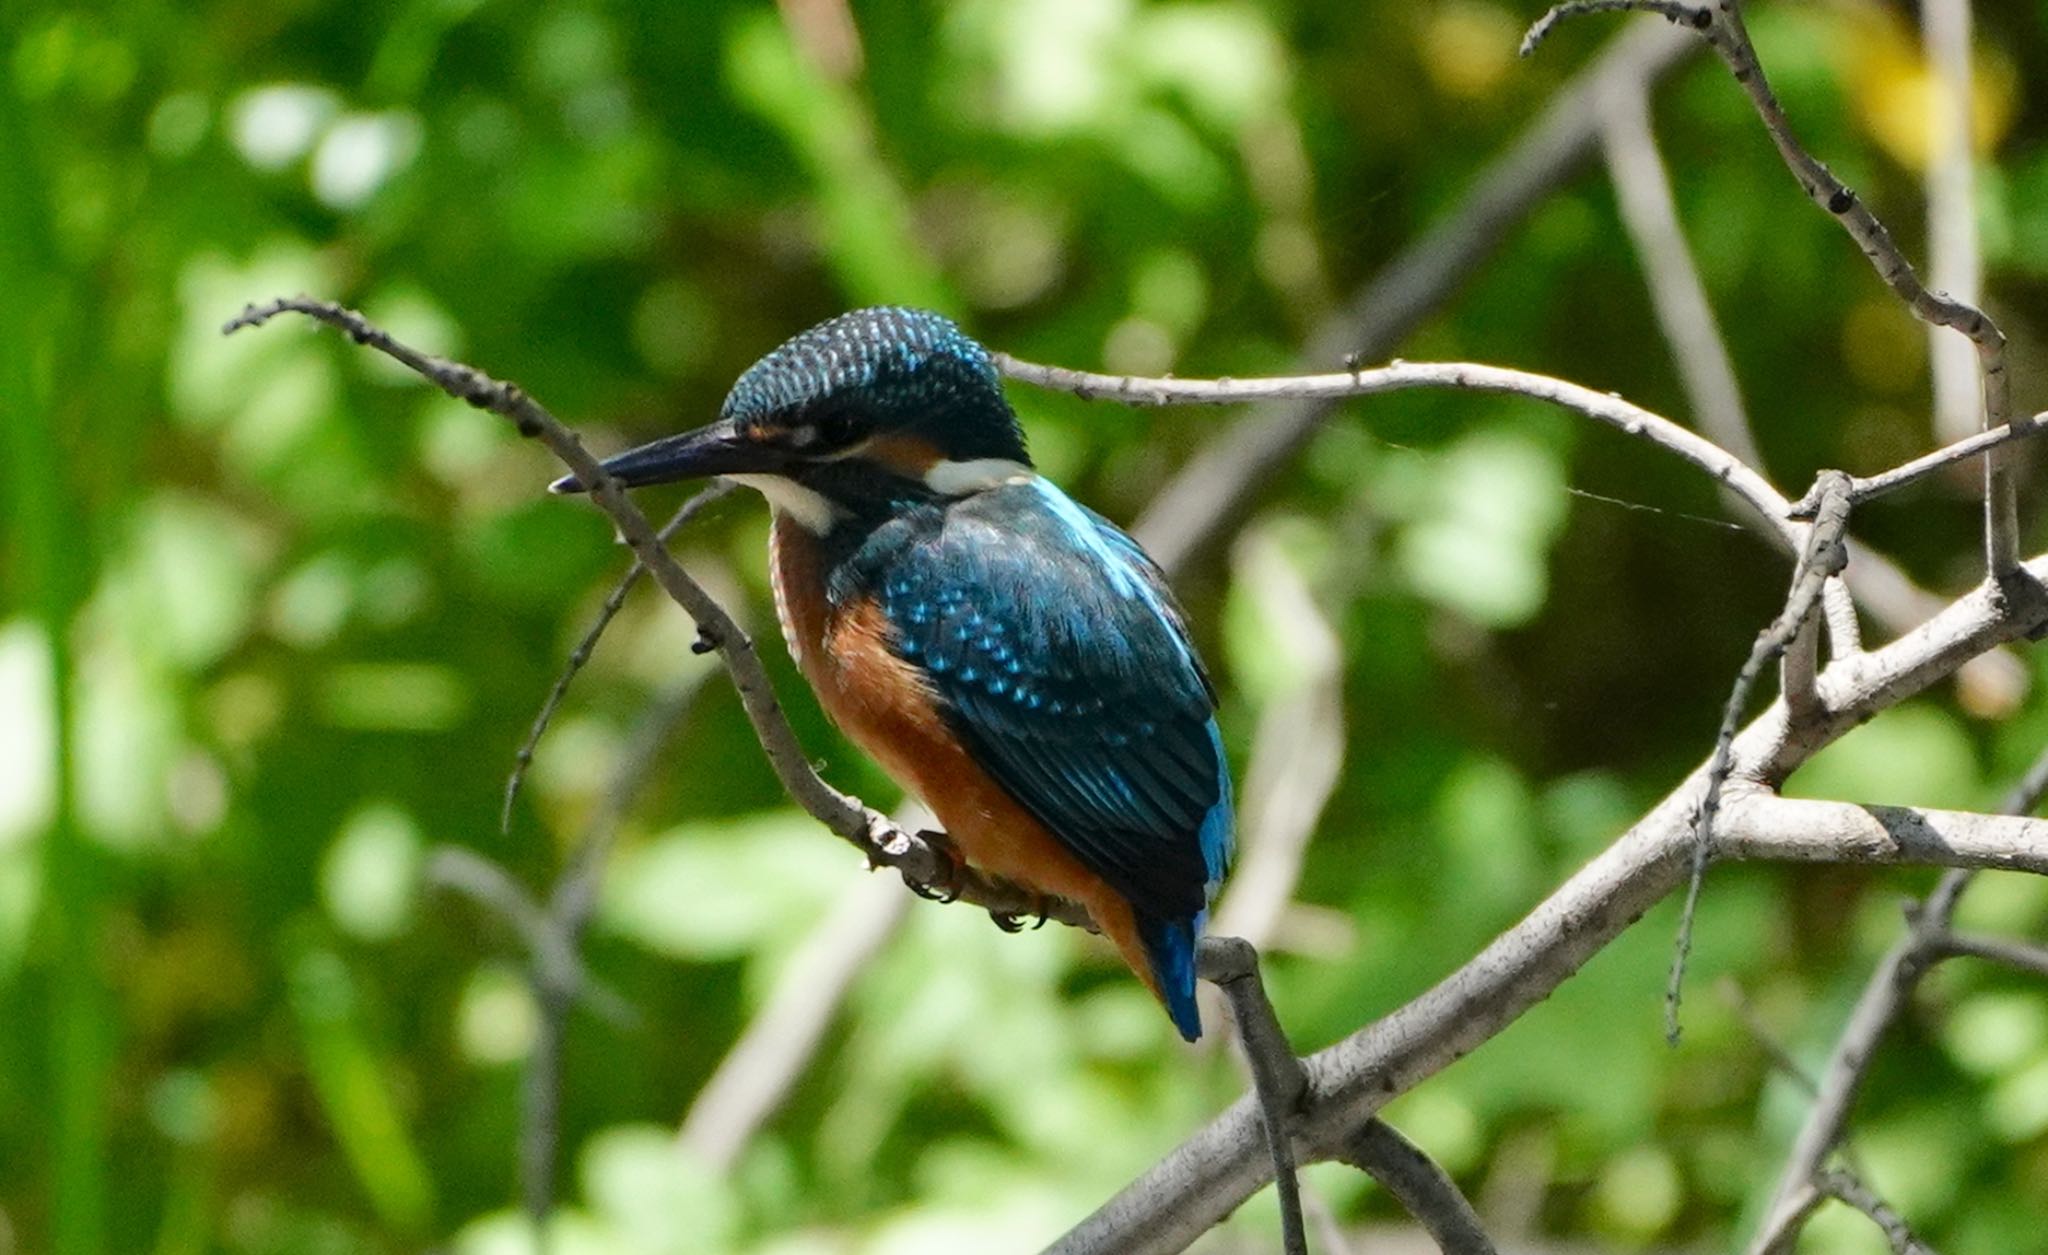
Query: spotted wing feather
[[1062, 663]]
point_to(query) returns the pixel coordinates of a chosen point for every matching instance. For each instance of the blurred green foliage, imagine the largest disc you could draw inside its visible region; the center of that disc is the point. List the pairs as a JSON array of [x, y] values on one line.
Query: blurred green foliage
[[276, 616]]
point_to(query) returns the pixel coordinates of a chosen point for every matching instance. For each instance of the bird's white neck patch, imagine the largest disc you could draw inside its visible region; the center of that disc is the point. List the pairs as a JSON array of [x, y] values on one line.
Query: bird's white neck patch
[[813, 511], [957, 479]]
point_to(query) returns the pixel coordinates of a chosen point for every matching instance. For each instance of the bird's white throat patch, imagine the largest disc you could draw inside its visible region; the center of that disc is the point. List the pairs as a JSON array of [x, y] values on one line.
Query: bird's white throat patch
[[816, 513], [957, 479], [813, 511]]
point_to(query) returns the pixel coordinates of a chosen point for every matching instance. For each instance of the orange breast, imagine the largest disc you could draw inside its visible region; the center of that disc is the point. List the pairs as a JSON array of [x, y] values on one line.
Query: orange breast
[[886, 708]]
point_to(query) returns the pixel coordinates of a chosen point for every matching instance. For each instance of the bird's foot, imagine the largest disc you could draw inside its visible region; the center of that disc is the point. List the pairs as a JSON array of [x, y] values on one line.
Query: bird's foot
[[952, 880]]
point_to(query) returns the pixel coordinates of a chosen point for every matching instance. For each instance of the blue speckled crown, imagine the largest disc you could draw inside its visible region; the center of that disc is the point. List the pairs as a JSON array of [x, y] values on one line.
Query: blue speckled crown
[[887, 368]]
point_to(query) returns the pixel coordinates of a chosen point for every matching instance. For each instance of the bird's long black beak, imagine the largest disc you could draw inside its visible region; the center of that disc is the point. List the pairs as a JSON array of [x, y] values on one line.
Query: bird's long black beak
[[719, 449]]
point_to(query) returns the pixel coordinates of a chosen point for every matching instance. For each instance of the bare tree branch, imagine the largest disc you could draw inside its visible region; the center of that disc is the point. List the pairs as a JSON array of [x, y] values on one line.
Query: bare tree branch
[[1350, 1079], [1884, 996], [1984, 442], [1217, 1168], [1720, 25], [1842, 1078], [1606, 408], [1420, 1185], [1994, 681], [1418, 281], [1223, 1164], [1822, 559], [1845, 1187], [1726, 808], [2019, 955], [1232, 964], [1751, 487]]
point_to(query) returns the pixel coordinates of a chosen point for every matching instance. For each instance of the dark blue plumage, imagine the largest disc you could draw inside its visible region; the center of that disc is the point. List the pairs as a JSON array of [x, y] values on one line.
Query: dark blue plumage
[[974, 628], [1065, 669]]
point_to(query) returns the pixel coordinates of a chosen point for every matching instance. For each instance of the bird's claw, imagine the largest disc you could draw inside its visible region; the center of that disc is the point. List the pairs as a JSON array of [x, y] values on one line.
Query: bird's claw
[[953, 881], [942, 896], [1013, 921]]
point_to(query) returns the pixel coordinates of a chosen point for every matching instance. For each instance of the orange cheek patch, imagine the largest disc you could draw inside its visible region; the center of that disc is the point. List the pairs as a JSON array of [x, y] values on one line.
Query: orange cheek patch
[[908, 456]]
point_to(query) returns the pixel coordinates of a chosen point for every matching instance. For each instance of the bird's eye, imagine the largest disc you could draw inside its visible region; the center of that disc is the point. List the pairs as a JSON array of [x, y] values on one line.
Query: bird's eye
[[825, 430]]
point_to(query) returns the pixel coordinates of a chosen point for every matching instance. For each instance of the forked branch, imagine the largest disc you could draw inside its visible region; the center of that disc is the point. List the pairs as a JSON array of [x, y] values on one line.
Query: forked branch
[[1720, 24]]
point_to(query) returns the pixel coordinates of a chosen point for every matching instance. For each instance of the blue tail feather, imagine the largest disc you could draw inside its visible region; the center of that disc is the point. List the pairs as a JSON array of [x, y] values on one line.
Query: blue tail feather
[[1170, 945]]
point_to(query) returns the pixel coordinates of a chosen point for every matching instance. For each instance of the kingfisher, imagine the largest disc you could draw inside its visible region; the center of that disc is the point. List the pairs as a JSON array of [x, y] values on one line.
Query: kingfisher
[[1006, 654]]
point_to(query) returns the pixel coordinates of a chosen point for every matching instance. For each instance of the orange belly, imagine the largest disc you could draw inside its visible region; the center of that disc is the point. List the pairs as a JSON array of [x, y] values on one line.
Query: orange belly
[[886, 708]]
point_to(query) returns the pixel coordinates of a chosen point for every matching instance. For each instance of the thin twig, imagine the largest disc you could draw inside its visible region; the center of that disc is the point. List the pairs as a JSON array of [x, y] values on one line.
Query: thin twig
[[1707, 372], [1420, 1185], [1721, 26], [1824, 557], [613, 602], [914, 856], [1990, 684], [2019, 955], [1926, 835], [1873, 577], [1789, 1216], [1232, 964], [1984, 442], [1799, 666], [1769, 505], [1842, 1077], [1838, 606], [1845, 1187], [1673, 11]]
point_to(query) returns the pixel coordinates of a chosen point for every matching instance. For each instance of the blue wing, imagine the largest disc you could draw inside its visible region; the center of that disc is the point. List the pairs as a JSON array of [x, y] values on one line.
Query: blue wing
[[1063, 665]]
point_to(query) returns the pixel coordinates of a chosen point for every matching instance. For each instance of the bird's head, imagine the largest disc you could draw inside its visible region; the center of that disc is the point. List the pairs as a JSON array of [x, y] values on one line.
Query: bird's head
[[861, 412]]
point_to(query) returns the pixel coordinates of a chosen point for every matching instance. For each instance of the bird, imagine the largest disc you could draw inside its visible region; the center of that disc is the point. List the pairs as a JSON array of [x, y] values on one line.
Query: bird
[[1004, 653]]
